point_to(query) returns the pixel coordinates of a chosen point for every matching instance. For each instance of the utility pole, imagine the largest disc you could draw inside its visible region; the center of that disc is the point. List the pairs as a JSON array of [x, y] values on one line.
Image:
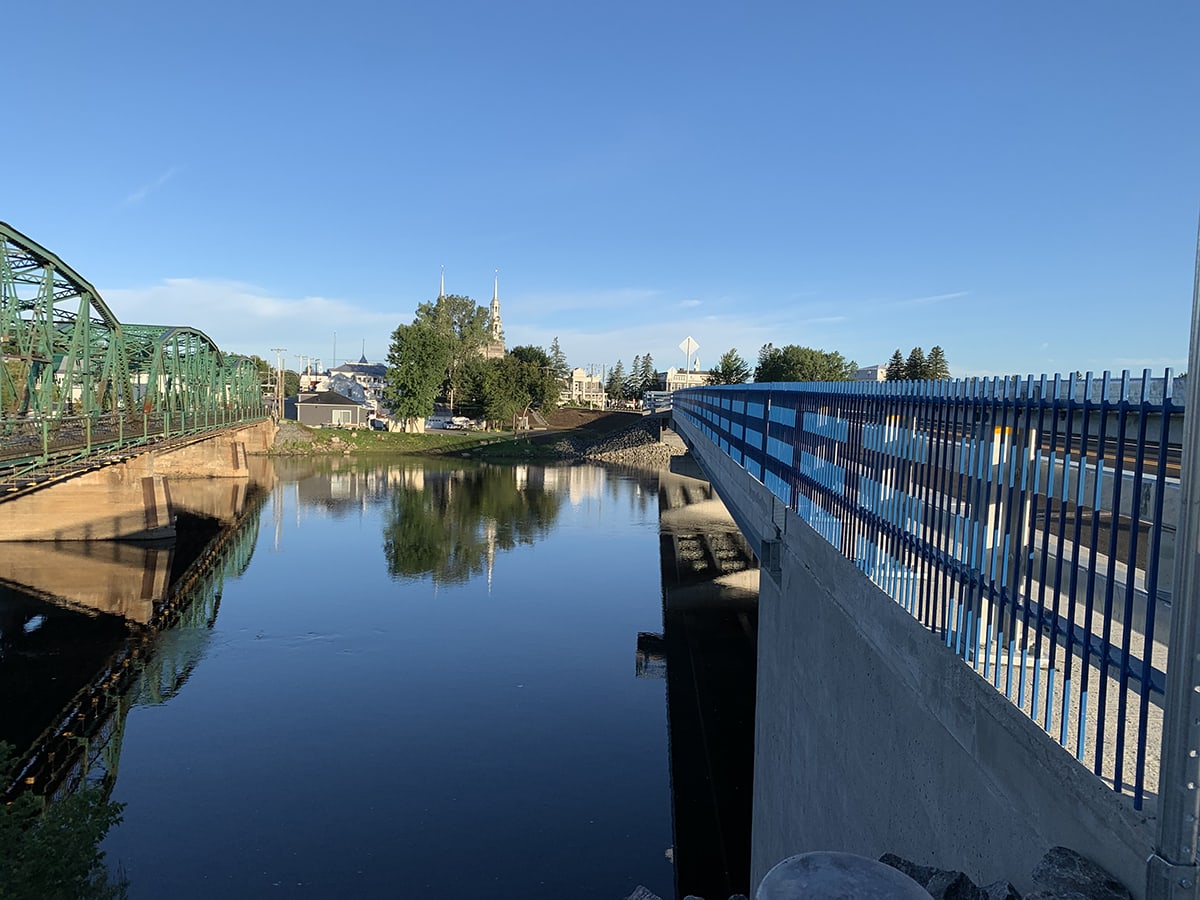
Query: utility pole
[[278, 351]]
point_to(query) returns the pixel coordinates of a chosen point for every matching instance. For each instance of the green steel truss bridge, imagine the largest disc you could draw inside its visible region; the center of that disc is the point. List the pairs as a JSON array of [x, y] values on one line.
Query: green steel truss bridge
[[76, 383]]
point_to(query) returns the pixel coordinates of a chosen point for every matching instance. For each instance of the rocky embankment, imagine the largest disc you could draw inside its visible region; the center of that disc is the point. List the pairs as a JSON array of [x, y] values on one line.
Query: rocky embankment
[[292, 439], [635, 445]]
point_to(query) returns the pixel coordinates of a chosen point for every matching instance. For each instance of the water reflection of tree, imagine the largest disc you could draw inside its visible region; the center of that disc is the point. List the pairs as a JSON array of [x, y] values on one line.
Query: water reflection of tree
[[451, 523], [52, 850]]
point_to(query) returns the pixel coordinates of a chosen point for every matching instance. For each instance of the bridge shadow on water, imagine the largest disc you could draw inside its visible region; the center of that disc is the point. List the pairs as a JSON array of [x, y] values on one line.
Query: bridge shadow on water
[[88, 630], [707, 653]]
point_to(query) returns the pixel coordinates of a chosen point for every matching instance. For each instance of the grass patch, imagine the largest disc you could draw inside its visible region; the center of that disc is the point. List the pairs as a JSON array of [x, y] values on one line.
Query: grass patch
[[342, 440]]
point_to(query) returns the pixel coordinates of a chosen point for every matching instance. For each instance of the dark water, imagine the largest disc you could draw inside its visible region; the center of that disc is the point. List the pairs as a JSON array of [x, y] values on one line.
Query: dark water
[[406, 680]]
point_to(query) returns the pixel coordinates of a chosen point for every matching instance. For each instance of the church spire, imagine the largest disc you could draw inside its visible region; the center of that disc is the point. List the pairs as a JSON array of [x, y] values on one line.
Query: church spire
[[442, 290], [496, 330]]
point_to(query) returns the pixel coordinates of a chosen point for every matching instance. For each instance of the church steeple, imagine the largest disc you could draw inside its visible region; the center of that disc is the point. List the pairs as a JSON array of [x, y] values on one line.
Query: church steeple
[[497, 331], [442, 290]]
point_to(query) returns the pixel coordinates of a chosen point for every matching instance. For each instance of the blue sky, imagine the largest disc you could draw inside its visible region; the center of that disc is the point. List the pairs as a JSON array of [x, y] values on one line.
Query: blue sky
[[1017, 182]]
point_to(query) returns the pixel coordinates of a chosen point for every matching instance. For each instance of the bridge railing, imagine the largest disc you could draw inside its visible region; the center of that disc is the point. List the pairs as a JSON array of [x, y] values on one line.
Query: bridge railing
[[1028, 523], [32, 443]]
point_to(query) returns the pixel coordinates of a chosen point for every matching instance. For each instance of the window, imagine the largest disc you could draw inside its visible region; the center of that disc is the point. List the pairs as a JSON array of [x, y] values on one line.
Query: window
[[342, 416]]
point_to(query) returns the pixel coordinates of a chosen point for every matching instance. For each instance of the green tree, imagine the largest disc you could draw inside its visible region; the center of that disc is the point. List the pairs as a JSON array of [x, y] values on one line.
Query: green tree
[[792, 363], [936, 364], [416, 370], [895, 366], [633, 381], [649, 376], [914, 368], [615, 386], [537, 376], [558, 362], [730, 369], [462, 325]]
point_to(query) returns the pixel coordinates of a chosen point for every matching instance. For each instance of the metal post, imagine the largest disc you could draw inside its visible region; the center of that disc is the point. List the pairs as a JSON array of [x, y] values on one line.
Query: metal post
[[1171, 872]]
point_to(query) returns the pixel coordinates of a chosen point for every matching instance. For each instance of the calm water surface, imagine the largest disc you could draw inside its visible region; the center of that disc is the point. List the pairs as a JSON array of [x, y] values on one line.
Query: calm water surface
[[422, 685]]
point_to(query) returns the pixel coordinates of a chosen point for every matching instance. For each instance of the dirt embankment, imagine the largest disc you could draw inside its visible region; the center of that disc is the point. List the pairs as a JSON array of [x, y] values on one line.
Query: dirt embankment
[[592, 421]]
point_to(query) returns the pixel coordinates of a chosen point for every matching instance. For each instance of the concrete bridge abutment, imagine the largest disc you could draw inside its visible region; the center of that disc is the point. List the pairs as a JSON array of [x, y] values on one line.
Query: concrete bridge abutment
[[137, 498]]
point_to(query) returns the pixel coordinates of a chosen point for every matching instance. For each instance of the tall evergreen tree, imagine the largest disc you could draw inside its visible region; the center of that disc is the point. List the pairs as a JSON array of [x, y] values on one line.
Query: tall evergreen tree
[[936, 364], [649, 380], [895, 367], [633, 381], [615, 386], [558, 361], [914, 368]]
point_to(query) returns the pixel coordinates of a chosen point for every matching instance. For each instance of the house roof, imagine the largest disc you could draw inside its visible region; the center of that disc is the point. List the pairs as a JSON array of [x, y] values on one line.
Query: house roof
[[327, 398]]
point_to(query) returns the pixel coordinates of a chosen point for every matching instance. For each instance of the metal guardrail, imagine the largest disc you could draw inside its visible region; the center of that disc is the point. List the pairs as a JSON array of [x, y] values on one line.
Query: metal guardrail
[[1029, 524]]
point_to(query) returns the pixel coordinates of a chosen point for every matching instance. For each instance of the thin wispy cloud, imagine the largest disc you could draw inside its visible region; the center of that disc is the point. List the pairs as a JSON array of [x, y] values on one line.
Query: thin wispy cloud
[[690, 304], [145, 190], [929, 300]]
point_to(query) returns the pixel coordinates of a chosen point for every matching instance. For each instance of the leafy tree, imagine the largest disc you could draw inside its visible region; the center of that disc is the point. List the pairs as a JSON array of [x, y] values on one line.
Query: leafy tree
[[730, 369], [792, 363], [895, 366], [417, 364], [914, 368], [52, 850], [537, 377], [936, 364], [615, 386], [462, 325]]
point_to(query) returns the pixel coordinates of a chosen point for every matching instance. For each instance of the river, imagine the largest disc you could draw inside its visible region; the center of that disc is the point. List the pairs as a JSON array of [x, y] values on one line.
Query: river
[[424, 679]]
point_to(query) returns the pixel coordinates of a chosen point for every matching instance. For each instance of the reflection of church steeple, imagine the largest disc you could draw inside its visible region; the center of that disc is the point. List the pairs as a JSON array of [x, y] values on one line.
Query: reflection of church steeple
[[490, 532], [496, 329]]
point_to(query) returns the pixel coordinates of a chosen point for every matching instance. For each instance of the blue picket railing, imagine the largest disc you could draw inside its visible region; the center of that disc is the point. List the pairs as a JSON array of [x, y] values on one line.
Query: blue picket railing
[[1028, 523]]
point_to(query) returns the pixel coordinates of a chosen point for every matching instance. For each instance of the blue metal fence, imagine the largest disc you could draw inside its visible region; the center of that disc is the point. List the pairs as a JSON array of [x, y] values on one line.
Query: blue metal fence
[[1028, 523]]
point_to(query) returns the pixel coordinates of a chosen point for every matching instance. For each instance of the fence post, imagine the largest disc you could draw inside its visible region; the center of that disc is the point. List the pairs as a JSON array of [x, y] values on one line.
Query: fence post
[[1171, 872]]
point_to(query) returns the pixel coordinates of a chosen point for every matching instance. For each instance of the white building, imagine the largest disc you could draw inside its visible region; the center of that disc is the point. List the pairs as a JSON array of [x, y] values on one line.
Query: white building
[[871, 373], [675, 379], [583, 389]]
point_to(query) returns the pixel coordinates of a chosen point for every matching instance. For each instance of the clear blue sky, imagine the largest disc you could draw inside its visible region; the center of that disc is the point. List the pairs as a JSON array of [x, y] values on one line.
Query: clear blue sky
[[1018, 182]]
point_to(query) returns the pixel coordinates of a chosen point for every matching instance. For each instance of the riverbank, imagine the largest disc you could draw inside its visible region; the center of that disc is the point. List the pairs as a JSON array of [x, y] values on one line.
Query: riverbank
[[571, 435]]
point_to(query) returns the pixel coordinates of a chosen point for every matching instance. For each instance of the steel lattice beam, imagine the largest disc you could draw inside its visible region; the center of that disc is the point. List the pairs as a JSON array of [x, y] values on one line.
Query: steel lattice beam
[[66, 356]]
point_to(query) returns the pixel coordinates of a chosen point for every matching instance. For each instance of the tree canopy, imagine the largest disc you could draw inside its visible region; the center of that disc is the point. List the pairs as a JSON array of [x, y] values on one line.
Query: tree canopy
[[792, 363], [462, 325], [417, 368], [730, 369], [918, 367]]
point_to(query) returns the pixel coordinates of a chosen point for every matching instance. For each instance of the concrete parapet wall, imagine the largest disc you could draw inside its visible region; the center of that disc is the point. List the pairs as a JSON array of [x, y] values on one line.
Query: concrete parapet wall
[[872, 737]]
